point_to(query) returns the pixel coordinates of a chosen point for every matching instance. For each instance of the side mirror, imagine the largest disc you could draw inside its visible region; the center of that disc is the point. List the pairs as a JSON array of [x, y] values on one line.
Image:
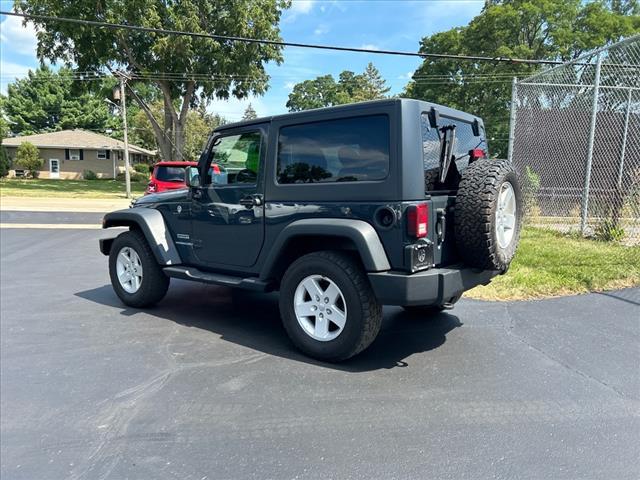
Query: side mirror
[[192, 177]]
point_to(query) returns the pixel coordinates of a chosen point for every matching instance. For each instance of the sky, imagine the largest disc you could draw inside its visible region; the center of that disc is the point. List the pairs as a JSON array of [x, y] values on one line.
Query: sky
[[373, 24]]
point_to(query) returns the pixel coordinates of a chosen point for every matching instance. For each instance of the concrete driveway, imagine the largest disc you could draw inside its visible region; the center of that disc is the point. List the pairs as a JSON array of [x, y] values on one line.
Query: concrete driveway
[[207, 385]]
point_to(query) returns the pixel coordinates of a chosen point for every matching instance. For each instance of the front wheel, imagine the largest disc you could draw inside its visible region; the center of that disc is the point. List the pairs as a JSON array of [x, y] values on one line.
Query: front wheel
[[328, 307], [135, 274]]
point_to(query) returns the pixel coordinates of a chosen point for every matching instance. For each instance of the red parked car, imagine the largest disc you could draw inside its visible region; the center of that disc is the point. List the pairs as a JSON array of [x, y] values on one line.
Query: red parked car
[[168, 176], [171, 176]]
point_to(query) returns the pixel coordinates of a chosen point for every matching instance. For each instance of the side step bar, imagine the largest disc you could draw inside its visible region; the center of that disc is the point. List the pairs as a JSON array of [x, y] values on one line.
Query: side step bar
[[192, 273]]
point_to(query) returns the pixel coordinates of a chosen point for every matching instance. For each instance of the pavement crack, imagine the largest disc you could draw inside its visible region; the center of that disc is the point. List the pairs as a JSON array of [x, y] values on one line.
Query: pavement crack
[[510, 329]]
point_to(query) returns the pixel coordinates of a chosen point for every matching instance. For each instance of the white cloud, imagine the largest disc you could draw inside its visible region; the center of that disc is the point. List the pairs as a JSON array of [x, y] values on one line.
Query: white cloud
[[19, 39], [321, 30], [10, 72], [301, 6], [406, 76], [298, 7], [370, 46], [289, 85]]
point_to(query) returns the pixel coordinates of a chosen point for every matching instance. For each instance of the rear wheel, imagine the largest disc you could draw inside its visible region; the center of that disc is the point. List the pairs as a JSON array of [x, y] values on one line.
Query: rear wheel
[[328, 307], [135, 274]]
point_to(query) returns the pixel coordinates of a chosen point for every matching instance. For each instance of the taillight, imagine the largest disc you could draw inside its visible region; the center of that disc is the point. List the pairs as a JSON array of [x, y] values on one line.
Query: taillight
[[417, 220], [476, 154]]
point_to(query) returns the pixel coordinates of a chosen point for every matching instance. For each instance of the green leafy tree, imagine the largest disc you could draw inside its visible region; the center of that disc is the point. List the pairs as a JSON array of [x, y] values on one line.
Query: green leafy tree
[[249, 113], [47, 101], [198, 128], [324, 91], [5, 165], [187, 70], [531, 29], [28, 157]]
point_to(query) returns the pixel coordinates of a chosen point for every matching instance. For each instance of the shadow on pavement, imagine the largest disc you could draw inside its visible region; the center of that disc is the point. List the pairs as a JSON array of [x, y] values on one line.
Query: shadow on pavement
[[253, 320], [630, 295]]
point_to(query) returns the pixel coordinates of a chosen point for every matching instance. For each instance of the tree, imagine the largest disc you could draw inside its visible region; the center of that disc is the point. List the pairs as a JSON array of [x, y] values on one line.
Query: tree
[[198, 127], [324, 91], [374, 85], [28, 157], [249, 113], [532, 29], [5, 165], [188, 70], [47, 101]]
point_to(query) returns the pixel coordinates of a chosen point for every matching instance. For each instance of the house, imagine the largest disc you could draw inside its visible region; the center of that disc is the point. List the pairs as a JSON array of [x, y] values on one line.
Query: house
[[68, 153]]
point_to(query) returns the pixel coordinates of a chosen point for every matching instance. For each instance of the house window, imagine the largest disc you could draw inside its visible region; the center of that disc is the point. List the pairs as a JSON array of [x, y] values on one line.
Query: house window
[[74, 154], [102, 155]]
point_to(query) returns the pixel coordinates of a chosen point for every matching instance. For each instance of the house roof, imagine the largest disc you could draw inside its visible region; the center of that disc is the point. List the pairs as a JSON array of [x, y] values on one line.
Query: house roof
[[74, 139]]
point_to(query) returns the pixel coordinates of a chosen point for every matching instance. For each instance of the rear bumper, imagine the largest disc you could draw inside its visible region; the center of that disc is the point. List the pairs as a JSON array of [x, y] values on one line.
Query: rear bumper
[[431, 287]]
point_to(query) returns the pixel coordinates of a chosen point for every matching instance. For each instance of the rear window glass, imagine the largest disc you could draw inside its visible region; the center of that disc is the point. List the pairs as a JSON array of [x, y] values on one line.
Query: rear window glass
[[169, 174], [343, 150], [465, 141]]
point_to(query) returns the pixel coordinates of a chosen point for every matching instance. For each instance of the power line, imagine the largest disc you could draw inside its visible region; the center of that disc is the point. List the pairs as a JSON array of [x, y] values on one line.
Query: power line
[[279, 43]]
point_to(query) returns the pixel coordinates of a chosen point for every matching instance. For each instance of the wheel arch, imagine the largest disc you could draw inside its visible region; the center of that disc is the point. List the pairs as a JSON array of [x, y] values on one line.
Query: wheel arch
[[152, 225], [311, 235]]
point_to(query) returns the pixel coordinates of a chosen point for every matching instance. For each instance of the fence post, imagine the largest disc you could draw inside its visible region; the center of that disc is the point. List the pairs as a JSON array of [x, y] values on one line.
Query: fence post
[[624, 139], [512, 118], [592, 135]]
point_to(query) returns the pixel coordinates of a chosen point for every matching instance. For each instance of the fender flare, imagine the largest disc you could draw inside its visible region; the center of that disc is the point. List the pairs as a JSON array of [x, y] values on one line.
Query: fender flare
[[363, 235], [151, 224]]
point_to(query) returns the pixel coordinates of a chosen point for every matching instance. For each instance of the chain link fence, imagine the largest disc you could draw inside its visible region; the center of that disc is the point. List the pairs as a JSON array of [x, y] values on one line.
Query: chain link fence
[[575, 140]]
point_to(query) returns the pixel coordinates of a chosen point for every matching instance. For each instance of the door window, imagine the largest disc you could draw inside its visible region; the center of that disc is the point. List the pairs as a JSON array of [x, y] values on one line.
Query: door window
[[235, 160]]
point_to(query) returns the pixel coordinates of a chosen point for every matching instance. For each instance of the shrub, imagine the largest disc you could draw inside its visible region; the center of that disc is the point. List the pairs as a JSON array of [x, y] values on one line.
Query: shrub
[[530, 187], [135, 177], [89, 175], [609, 230], [5, 164], [141, 168], [140, 177], [28, 157]]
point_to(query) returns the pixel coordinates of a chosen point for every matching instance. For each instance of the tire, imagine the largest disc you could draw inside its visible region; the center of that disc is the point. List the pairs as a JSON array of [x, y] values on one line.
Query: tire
[[478, 215], [362, 312], [431, 309], [153, 282]]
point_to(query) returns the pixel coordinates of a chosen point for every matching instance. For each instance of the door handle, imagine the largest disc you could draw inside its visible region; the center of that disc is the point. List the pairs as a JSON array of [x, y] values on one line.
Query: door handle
[[251, 201]]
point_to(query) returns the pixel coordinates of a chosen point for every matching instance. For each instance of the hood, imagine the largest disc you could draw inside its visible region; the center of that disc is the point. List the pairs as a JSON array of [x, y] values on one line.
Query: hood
[[169, 196]]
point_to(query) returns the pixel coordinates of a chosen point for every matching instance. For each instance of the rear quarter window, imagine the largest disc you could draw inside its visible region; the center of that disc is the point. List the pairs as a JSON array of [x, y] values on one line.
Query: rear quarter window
[[342, 150]]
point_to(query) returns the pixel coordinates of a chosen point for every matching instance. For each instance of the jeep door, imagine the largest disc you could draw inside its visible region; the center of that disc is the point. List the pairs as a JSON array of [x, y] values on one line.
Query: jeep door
[[228, 208]]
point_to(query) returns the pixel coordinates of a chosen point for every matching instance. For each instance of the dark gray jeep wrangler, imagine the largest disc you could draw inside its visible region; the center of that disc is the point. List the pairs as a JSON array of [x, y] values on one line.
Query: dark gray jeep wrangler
[[342, 210]]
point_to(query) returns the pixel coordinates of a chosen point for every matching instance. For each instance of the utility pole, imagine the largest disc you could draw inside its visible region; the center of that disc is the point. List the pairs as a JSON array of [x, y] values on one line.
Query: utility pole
[[123, 111]]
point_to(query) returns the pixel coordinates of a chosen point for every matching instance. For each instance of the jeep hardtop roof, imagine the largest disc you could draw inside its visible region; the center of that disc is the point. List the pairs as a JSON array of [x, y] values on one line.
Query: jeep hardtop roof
[[355, 107]]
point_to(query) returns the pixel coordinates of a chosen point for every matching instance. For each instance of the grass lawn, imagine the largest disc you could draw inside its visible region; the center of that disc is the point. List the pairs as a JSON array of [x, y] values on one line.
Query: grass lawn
[[549, 263], [67, 188]]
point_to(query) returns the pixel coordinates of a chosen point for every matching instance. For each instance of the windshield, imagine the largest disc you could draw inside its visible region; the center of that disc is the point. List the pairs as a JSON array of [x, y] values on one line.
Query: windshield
[[169, 174]]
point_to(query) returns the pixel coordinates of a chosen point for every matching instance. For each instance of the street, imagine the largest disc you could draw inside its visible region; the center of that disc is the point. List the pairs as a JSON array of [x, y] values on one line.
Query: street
[[208, 386]]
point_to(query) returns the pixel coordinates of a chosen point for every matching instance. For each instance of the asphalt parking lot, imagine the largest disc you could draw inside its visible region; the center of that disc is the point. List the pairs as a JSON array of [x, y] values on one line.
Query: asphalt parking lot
[[207, 385]]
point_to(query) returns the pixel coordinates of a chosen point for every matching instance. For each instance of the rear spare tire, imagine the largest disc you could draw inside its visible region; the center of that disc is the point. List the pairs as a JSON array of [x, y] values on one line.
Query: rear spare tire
[[488, 214]]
